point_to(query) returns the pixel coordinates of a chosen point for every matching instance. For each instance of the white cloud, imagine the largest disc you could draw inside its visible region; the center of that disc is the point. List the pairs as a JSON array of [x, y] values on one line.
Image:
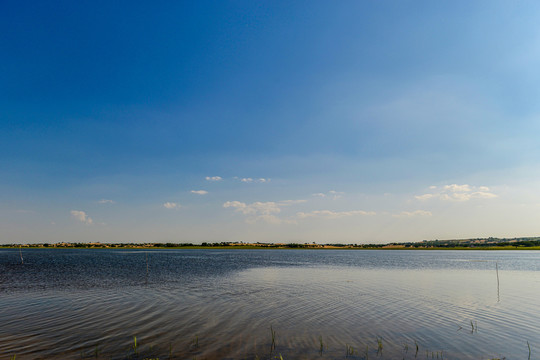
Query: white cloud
[[250, 180], [264, 208], [333, 194], [460, 193], [329, 214], [199, 192], [214, 178], [457, 188], [81, 216], [262, 211], [106, 201], [425, 196], [413, 213], [483, 195], [171, 205]]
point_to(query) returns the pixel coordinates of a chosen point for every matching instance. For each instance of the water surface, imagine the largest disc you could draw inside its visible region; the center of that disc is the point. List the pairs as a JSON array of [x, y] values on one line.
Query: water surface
[[220, 304]]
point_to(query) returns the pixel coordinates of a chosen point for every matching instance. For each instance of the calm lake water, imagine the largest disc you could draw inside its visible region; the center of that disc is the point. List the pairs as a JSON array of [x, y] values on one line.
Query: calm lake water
[[221, 304]]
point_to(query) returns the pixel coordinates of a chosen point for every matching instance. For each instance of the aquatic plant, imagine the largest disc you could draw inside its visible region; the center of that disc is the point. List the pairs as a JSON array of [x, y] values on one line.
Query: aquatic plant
[[379, 345], [135, 345], [349, 350], [195, 342], [146, 253], [321, 345], [474, 327], [497, 270], [273, 333], [529, 346]]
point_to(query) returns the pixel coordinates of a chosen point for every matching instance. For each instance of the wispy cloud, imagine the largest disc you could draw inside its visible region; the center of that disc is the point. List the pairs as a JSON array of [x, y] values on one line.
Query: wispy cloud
[[252, 180], [258, 207], [329, 214], [106, 201], [262, 211], [214, 178], [332, 194], [416, 213], [81, 216], [265, 211], [291, 202], [171, 205], [199, 192], [455, 192], [23, 211]]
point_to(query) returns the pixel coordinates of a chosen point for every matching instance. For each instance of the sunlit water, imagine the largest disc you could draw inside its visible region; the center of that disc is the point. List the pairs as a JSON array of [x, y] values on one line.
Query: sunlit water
[[222, 304]]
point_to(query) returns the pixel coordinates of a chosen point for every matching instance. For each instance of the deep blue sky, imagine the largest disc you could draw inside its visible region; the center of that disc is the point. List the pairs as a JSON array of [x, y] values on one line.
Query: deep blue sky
[[352, 109]]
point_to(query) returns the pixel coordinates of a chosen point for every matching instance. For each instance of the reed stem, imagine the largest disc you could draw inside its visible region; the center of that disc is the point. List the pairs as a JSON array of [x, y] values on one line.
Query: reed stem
[[497, 270]]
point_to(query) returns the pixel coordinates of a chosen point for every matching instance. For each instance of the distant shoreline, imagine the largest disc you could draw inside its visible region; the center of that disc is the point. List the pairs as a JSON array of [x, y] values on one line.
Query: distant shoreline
[[468, 244]]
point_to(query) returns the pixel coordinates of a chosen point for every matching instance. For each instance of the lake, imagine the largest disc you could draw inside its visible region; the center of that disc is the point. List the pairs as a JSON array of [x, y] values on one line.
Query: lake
[[227, 304]]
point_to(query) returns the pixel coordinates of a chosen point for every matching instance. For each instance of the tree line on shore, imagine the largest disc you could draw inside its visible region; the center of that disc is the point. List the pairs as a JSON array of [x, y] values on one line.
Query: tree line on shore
[[482, 243]]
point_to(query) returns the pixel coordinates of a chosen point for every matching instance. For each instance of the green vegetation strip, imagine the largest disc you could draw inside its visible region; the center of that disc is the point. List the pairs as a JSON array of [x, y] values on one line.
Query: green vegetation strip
[[530, 243]]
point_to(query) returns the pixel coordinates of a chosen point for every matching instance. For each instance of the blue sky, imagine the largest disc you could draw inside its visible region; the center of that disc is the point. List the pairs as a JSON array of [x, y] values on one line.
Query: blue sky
[[350, 121]]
